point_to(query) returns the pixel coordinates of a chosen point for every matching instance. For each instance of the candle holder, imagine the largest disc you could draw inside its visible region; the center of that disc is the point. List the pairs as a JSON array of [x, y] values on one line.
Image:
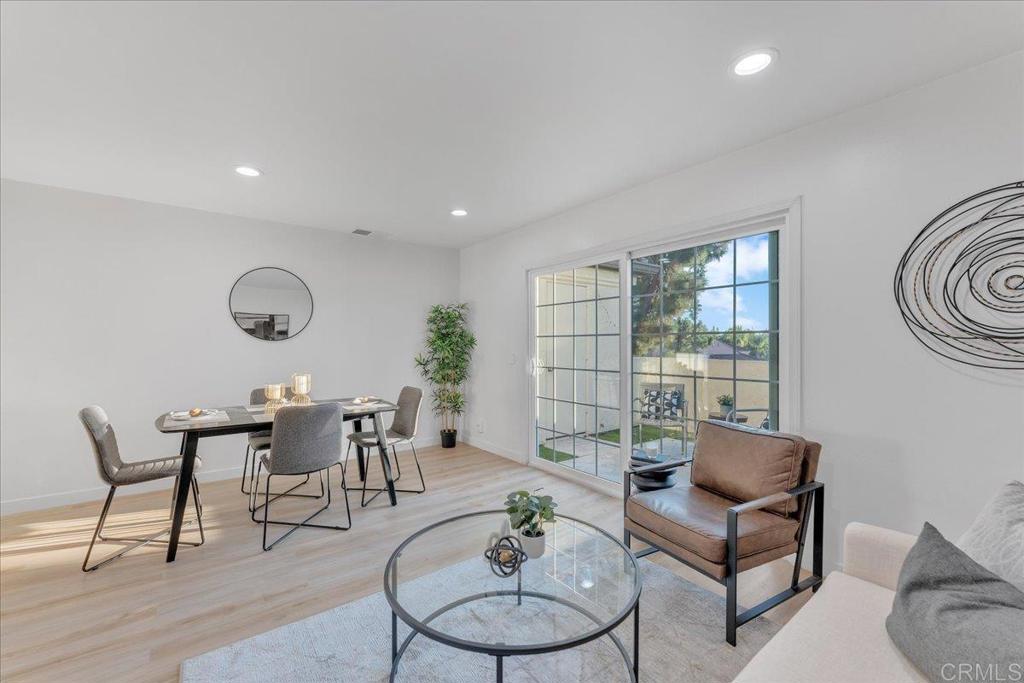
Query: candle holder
[[302, 382], [275, 397]]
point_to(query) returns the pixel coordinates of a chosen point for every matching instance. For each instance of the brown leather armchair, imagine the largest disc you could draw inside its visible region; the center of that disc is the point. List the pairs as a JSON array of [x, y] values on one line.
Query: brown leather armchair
[[748, 502]]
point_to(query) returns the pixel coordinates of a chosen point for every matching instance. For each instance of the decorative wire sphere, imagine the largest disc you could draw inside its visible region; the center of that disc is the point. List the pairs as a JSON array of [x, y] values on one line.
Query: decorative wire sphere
[[506, 556], [960, 284]]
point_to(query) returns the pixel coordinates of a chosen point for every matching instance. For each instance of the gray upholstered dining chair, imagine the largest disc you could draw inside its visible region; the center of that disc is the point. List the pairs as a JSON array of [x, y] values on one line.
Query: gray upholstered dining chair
[[260, 441], [117, 473], [403, 429], [305, 439]]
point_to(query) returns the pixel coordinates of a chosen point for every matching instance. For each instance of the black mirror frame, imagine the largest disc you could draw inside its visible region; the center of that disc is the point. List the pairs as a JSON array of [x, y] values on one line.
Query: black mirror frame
[[312, 305]]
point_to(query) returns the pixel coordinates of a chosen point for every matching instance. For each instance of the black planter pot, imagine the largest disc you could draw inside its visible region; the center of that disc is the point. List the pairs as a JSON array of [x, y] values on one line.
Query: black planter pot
[[448, 438]]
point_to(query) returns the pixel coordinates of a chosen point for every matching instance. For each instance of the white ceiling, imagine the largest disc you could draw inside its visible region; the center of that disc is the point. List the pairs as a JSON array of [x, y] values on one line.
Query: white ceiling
[[385, 116]]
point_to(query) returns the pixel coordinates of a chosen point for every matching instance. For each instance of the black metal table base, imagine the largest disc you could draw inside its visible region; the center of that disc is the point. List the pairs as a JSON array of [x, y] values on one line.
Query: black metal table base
[[632, 665]]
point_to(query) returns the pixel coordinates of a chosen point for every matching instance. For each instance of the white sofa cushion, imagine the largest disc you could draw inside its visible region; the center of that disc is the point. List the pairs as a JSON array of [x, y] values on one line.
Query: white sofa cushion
[[838, 636]]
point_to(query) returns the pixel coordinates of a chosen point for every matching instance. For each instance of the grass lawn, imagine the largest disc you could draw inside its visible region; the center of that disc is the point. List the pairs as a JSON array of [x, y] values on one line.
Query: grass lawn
[[551, 454], [647, 433]]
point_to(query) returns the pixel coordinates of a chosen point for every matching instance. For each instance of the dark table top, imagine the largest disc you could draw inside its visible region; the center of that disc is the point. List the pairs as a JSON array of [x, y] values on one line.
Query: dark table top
[[253, 418]]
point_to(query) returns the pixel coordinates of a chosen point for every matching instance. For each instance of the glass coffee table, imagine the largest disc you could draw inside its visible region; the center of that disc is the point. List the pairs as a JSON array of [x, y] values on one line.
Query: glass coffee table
[[584, 586]]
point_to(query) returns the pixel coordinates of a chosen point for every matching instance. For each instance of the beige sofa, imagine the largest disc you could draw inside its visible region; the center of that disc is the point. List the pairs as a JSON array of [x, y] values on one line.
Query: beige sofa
[[839, 635]]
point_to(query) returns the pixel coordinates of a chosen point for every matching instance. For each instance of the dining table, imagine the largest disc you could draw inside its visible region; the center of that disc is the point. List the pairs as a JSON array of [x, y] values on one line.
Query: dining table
[[260, 418]]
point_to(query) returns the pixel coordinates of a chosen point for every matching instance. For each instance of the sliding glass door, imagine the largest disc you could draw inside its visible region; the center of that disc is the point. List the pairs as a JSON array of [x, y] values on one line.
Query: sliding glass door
[[696, 339], [705, 340], [577, 337]]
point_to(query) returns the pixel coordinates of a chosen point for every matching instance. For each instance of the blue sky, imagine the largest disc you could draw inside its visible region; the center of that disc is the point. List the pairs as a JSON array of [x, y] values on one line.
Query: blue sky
[[752, 301]]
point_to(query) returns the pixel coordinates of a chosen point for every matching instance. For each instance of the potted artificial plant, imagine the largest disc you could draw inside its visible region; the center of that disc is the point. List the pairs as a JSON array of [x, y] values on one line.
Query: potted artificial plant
[[445, 364], [527, 513], [725, 404]]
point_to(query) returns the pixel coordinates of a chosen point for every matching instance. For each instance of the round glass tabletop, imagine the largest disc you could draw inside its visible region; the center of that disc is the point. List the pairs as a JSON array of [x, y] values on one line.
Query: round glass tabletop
[[583, 586]]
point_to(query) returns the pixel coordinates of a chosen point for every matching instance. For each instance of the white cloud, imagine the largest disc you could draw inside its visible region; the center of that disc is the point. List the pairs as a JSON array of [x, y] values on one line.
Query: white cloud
[[720, 272], [752, 259], [719, 300], [751, 262], [716, 307]]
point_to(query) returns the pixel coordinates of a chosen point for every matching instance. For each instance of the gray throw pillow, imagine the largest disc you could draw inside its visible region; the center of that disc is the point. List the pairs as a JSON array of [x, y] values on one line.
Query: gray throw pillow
[[952, 617], [996, 539]]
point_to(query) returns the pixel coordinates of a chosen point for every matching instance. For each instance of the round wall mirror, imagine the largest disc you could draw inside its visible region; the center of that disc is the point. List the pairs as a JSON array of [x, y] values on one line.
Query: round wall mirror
[[271, 303]]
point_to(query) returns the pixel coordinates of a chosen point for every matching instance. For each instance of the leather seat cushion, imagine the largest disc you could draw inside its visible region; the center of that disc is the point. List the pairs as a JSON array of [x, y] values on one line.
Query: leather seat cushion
[[695, 519], [148, 470], [745, 464]]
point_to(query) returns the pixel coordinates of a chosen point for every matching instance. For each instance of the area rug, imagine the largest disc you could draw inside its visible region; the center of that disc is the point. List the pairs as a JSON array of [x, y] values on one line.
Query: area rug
[[682, 639]]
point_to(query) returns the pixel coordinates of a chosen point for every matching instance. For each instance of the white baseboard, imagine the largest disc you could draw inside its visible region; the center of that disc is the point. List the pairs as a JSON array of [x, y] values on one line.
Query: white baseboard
[[606, 487], [485, 445], [98, 493]]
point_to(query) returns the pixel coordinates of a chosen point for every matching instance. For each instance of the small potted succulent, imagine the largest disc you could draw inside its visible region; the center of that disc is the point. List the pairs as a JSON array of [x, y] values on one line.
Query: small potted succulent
[[725, 404], [527, 513]]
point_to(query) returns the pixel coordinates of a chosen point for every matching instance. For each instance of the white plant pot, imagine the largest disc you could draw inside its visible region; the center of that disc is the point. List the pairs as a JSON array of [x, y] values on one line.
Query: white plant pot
[[533, 546]]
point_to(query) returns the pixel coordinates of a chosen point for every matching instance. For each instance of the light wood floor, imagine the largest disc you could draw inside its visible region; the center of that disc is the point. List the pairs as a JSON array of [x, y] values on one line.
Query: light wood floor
[[139, 617]]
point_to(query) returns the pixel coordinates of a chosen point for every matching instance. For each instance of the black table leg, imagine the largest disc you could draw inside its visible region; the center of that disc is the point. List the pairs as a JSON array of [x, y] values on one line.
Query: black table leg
[[188, 459], [357, 426], [501, 669], [385, 461]]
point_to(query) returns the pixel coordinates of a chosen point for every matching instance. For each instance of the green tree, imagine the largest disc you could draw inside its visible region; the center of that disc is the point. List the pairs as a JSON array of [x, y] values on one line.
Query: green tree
[[673, 280]]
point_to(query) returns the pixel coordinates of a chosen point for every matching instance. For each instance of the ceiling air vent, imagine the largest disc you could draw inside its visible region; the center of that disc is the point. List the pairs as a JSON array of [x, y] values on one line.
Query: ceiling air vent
[[361, 232]]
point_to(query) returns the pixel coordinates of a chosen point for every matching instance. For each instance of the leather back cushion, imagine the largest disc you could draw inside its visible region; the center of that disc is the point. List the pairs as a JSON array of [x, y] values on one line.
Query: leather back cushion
[[744, 464]]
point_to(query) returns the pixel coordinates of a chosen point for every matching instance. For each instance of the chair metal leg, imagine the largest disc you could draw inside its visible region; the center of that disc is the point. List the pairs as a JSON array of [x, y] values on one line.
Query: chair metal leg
[[362, 498], [798, 562], [730, 578], [306, 522], [199, 510], [254, 480], [97, 534], [419, 470], [363, 501], [288, 493], [734, 620], [398, 465], [344, 491], [819, 538]]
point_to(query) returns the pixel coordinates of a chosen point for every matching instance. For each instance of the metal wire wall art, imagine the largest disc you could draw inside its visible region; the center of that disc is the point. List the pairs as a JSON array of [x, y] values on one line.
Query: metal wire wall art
[[960, 284]]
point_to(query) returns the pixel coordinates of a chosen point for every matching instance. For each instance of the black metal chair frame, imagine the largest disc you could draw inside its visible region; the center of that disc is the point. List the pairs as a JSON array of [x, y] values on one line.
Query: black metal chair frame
[[813, 495], [250, 457], [363, 502], [306, 522], [97, 534]]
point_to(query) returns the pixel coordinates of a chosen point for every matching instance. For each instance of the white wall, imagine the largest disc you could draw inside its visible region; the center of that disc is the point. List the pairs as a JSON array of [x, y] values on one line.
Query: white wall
[[906, 437], [124, 304]]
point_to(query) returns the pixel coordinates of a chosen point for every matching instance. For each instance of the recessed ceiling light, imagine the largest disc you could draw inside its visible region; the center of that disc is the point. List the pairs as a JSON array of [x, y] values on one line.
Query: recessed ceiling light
[[460, 212], [248, 171], [753, 62]]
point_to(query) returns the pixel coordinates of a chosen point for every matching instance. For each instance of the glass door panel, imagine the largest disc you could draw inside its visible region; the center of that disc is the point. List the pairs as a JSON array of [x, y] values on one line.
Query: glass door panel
[[577, 369], [704, 340]]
